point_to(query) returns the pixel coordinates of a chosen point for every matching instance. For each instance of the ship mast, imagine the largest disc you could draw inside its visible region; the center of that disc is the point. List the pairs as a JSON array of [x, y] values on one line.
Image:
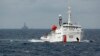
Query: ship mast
[[69, 12]]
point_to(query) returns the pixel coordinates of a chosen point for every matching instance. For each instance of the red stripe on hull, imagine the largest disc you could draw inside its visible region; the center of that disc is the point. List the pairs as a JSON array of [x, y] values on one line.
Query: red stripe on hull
[[64, 38]]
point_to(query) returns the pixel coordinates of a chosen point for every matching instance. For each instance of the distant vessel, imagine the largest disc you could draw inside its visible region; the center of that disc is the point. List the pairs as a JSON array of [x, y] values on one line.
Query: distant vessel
[[65, 32], [25, 26]]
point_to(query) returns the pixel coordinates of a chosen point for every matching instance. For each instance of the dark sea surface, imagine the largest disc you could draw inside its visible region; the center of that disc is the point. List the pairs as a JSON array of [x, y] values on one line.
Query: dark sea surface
[[13, 42]]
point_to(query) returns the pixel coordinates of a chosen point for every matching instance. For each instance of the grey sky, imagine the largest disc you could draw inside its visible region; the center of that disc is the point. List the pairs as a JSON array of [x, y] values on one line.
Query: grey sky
[[44, 13]]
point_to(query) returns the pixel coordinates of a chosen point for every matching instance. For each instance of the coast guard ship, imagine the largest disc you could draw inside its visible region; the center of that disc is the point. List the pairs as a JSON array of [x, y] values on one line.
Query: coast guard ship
[[65, 32]]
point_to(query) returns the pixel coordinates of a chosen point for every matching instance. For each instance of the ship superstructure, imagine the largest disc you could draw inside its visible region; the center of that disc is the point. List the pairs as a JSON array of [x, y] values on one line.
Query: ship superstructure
[[66, 32]]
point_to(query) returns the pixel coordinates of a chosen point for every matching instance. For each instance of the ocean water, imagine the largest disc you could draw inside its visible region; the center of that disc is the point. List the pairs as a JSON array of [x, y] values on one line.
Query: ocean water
[[13, 42]]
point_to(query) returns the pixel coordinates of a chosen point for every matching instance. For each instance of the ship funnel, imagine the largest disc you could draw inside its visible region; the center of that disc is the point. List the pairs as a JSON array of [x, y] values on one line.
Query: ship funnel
[[60, 19]]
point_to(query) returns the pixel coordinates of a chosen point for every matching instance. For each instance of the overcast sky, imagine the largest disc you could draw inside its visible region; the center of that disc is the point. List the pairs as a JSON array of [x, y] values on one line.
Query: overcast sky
[[44, 13]]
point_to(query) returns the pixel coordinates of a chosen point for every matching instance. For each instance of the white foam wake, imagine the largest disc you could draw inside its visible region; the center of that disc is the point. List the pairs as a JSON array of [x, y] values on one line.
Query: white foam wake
[[35, 40], [87, 41], [22, 40]]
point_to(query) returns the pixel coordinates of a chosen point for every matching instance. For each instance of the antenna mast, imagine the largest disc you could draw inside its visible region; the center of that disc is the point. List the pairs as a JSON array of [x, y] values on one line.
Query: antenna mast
[[69, 12]]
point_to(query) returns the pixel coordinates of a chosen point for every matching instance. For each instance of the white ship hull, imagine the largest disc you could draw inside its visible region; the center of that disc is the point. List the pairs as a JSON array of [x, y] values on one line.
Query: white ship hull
[[58, 36]]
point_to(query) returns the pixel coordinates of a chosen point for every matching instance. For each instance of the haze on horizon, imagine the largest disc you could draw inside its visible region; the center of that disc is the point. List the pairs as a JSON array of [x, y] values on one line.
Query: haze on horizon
[[44, 13]]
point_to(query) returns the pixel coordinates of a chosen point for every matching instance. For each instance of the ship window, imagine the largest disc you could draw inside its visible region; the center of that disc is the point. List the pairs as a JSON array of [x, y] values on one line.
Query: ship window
[[70, 36], [65, 23], [58, 37], [65, 26], [58, 33]]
